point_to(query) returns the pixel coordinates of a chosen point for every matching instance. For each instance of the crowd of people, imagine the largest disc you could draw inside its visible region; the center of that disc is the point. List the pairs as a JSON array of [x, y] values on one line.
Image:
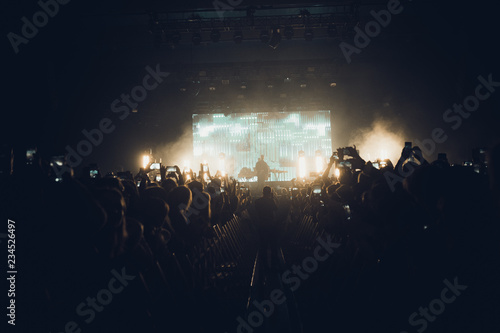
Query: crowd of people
[[402, 227]]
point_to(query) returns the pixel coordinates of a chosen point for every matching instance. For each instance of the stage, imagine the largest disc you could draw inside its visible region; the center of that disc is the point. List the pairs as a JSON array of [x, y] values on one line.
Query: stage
[[289, 143], [275, 185]]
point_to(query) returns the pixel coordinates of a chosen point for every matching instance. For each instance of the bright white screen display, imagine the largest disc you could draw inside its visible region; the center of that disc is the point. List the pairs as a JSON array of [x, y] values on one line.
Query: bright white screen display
[[233, 143]]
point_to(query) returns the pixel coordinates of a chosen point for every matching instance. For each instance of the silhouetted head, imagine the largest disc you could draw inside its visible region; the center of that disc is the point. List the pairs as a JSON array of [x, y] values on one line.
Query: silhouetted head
[[180, 197], [154, 212], [195, 185], [267, 191], [155, 192], [169, 184], [114, 204], [110, 182]]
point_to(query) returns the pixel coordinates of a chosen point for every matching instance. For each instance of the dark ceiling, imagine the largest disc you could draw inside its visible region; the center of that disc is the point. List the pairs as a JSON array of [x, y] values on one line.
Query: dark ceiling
[[65, 78]]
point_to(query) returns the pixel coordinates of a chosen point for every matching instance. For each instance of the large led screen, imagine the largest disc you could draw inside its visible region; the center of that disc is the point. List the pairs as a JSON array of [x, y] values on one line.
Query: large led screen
[[233, 143]]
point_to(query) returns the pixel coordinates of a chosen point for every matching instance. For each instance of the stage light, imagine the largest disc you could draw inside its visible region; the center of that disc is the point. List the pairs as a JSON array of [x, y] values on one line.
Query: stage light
[[383, 154], [302, 164], [319, 162], [238, 36], [222, 164], [308, 35], [333, 84], [264, 36], [186, 166], [303, 84], [288, 32], [243, 85], [196, 38], [215, 35], [145, 161]]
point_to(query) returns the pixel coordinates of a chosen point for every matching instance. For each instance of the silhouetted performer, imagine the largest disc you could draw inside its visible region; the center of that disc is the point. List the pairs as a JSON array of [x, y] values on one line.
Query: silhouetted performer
[[262, 170]]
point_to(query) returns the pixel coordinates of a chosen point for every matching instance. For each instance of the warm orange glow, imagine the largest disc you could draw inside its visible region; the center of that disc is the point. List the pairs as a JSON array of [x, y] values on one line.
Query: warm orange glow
[[337, 172], [145, 161]]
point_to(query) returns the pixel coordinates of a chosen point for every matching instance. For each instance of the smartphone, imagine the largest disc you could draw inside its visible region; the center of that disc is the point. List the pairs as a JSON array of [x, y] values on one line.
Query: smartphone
[[56, 161], [30, 155], [347, 211], [376, 165], [155, 166], [317, 189], [408, 144], [205, 168], [345, 164], [171, 169], [138, 183], [93, 173], [158, 178]]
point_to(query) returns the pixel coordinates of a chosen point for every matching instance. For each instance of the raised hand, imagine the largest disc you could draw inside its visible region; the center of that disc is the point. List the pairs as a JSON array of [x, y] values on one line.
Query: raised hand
[[163, 171], [406, 152]]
